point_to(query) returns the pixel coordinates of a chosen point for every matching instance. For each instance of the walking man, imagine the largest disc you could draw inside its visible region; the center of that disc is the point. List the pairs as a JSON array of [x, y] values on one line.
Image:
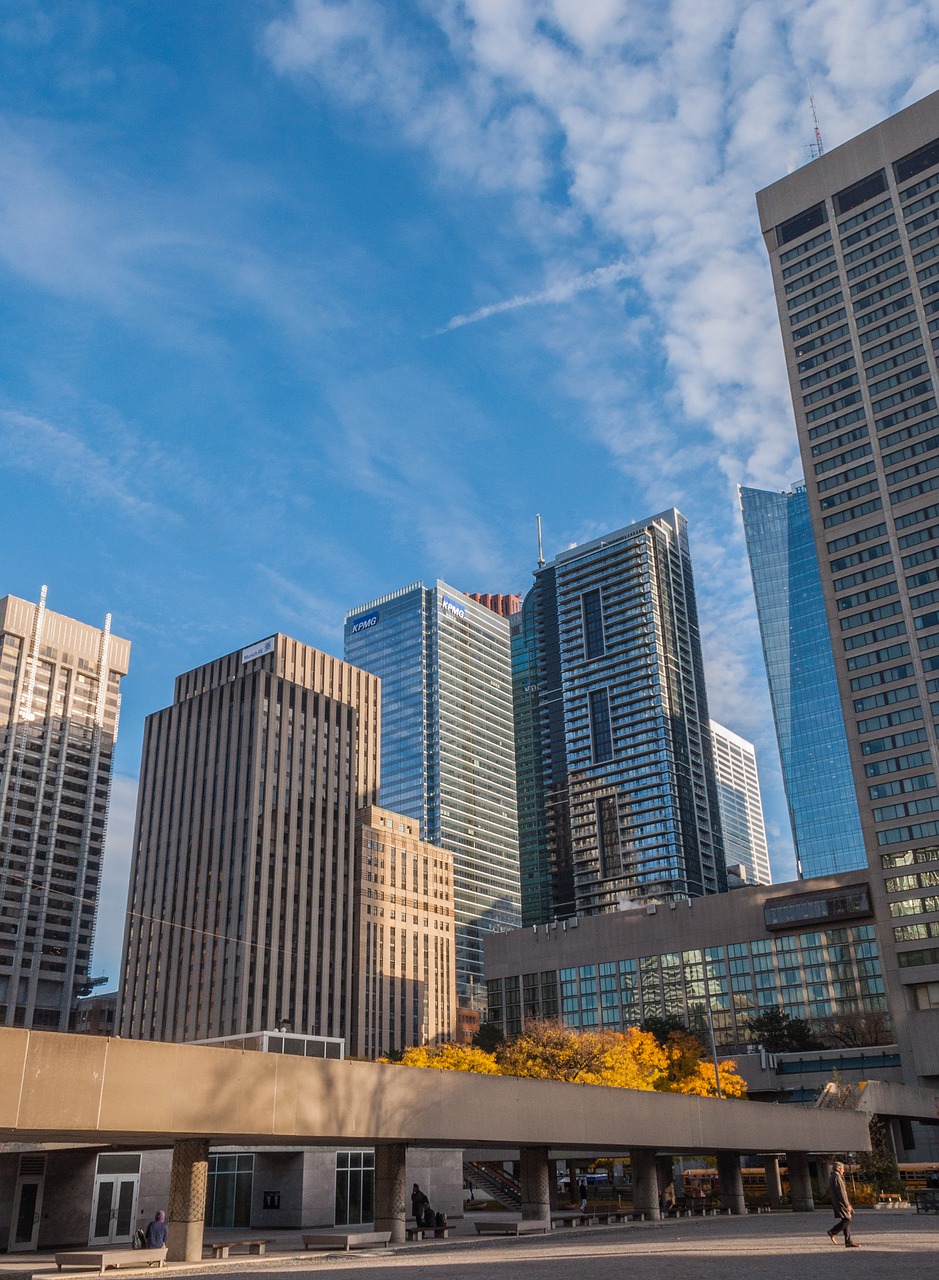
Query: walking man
[[841, 1206]]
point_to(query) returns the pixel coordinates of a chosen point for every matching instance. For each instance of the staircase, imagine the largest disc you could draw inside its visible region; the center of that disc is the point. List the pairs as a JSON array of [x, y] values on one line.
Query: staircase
[[494, 1182]]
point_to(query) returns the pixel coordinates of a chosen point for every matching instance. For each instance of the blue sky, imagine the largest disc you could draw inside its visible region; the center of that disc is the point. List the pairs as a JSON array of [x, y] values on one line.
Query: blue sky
[[304, 300]]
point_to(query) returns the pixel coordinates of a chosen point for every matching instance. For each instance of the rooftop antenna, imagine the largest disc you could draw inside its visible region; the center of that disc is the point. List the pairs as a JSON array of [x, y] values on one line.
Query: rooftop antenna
[[815, 150], [541, 559]]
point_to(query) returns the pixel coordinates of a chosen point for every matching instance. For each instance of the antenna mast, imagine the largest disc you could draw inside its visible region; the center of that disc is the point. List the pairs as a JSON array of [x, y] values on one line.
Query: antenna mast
[[541, 559], [817, 148]]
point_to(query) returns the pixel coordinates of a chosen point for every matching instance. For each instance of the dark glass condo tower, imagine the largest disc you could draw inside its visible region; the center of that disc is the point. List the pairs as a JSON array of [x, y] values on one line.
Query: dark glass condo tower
[[617, 794]]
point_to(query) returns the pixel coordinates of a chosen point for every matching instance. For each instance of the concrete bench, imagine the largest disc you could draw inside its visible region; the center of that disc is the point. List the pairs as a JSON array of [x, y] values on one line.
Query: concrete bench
[[345, 1239], [611, 1215], [512, 1227], [418, 1233], [221, 1247], [99, 1259], [571, 1218]]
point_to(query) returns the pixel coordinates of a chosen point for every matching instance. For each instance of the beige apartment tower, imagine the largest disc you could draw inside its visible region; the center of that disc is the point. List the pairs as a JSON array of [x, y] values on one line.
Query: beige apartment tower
[[853, 240], [242, 900], [59, 703], [405, 950]]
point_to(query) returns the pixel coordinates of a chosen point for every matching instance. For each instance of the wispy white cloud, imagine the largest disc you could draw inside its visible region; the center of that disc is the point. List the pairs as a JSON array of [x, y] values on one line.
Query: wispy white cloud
[[70, 464], [561, 291]]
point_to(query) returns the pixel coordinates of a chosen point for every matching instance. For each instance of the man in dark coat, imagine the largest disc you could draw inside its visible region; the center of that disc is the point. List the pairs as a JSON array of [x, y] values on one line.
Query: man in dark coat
[[841, 1206]]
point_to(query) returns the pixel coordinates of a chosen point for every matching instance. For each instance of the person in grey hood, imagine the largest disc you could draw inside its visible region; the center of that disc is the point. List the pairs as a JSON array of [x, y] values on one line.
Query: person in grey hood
[[842, 1207]]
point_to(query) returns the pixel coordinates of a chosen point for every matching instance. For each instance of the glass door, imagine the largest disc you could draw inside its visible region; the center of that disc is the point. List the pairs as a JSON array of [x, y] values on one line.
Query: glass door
[[114, 1207], [27, 1204]]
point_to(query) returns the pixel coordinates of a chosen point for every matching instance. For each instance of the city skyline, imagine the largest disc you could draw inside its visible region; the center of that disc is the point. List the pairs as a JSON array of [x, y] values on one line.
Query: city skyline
[[283, 328]]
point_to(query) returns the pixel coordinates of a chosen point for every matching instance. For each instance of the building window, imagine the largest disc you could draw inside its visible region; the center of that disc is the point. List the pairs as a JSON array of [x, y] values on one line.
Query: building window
[[592, 614], [355, 1187], [601, 732], [608, 837]]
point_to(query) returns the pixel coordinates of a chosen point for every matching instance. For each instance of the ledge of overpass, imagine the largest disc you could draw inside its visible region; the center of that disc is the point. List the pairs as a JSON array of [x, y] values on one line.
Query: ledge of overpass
[[59, 1087]]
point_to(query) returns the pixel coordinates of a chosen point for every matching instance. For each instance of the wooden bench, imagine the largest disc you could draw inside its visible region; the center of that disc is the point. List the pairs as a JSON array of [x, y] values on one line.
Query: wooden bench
[[512, 1227], [345, 1239], [221, 1247], [101, 1258]]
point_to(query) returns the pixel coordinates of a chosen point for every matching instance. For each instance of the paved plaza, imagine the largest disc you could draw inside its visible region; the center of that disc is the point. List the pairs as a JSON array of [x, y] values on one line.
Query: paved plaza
[[762, 1247]]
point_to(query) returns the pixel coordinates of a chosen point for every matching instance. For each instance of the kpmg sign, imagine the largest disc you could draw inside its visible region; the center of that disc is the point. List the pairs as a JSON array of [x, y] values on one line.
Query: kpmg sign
[[258, 650], [450, 606], [363, 624]]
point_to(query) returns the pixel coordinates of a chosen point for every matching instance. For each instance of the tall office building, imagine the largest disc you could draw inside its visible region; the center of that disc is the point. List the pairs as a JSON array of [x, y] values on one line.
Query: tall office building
[[59, 702], [803, 686], [448, 757], [738, 795], [504, 606], [618, 799], [853, 239], [405, 967], [243, 890]]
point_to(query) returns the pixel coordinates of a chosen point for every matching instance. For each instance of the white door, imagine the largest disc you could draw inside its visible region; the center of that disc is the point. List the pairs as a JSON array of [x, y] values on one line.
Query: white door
[[27, 1203], [114, 1207]]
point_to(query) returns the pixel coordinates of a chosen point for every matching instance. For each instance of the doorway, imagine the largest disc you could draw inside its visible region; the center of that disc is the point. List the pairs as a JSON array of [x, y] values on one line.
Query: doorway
[[114, 1207], [27, 1204]]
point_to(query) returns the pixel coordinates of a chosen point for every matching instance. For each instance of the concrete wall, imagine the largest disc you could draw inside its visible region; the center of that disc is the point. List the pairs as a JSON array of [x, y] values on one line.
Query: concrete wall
[[440, 1176], [86, 1088]]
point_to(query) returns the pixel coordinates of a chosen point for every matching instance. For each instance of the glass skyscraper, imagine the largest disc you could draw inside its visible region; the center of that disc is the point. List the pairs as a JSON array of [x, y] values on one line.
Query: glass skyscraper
[[617, 794], [448, 751], [738, 790], [813, 748]]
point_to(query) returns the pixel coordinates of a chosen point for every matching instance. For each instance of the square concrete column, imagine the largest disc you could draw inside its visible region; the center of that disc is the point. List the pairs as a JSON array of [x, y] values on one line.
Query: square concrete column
[[773, 1181], [185, 1215], [730, 1180], [645, 1183], [665, 1176], [536, 1184], [800, 1182], [823, 1172], [390, 1189], [572, 1193]]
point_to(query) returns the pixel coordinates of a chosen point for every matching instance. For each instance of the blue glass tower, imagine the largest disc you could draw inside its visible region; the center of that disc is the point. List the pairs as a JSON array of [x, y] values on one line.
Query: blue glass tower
[[826, 827], [447, 748]]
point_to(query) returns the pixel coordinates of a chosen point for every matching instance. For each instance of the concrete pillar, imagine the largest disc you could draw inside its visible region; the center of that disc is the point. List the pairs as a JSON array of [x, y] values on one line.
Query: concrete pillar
[[800, 1182], [573, 1193], [645, 1183], [823, 1172], [390, 1189], [773, 1181], [554, 1172], [185, 1215], [730, 1180], [665, 1177], [536, 1184]]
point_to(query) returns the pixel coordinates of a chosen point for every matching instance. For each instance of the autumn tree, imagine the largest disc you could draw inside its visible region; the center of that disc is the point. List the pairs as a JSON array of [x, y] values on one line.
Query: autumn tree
[[549, 1050], [451, 1057], [690, 1070]]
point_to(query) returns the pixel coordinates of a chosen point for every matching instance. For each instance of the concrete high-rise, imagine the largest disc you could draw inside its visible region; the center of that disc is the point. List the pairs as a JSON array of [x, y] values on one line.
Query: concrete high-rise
[[405, 969], [448, 757], [738, 794], [803, 686], [243, 892], [618, 799], [59, 703], [853, 240]]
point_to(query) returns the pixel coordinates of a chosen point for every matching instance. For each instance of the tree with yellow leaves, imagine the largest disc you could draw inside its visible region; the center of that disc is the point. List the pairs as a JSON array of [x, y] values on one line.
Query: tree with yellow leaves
[[632, 1059], [451, 1057]]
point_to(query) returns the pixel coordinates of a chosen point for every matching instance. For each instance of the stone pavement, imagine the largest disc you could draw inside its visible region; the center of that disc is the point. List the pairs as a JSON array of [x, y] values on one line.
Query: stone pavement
[[761, 1247]]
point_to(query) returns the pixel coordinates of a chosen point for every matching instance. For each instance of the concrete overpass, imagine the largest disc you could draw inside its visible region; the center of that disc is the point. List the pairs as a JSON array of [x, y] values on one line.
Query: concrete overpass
[[86, 1089]]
